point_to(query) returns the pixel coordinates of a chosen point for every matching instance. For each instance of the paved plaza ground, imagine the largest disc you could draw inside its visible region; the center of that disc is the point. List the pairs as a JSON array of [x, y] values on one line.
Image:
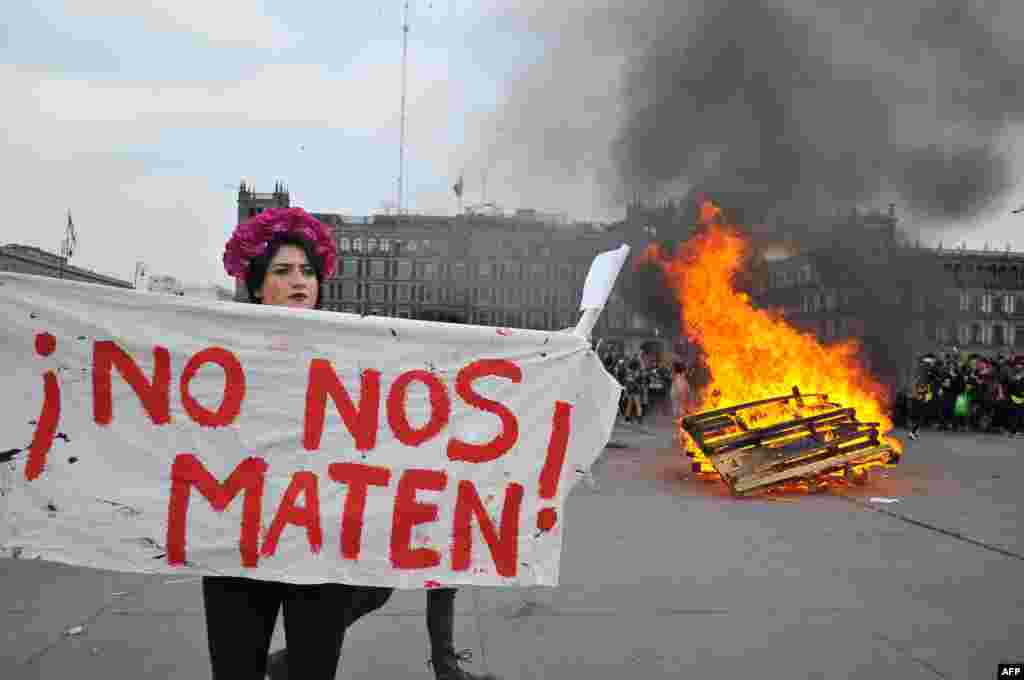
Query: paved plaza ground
[[663, 576]]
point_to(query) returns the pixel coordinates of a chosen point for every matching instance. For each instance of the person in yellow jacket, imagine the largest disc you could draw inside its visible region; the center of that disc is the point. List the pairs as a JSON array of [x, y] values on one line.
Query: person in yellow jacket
[[923, 398]]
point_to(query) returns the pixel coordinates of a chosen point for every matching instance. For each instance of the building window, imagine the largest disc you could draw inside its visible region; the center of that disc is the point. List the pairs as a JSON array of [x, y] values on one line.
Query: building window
[[965, 301], [830, 328], [371, 245], [459, 271], [403, 313], [483, 317], [998, 335], [485, 270], [486, 296], [536, 320], [404, 270], [357, 245], [349, 268], [538, 297], [385, 247], [1008, 306], [986, 303], [461, 296], [410, 245], [564, 272], [403, 292], [510, 271], [426, 270], [349, 290], [1018, 336], [538, 272], [378, 292], [378, 269], [976, 334], [344, 244]]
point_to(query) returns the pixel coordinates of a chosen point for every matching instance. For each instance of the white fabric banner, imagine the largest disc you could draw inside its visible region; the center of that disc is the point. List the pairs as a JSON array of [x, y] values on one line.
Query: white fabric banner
[[159, 434]]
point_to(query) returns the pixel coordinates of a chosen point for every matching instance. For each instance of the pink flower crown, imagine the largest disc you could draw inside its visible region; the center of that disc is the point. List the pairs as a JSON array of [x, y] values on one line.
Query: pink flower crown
[[250, 238]]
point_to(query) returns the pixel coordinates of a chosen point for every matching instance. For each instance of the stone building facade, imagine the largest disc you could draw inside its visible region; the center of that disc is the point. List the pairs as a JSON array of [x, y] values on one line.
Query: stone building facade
[[519, 272], [972, 300], [31, 260]]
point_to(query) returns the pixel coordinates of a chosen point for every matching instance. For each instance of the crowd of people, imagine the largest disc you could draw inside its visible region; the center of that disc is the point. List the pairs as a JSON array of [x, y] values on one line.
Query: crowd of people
[[955, 391], [649, 384], [965, 392]]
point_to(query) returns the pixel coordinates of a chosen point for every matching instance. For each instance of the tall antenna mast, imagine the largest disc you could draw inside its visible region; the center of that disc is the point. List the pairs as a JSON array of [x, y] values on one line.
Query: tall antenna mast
[[401, 139]]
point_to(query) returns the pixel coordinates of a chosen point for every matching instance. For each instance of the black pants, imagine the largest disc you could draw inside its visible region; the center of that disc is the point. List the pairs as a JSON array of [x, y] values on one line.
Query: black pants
[[441, 621], [1016, 418], [241, 614]]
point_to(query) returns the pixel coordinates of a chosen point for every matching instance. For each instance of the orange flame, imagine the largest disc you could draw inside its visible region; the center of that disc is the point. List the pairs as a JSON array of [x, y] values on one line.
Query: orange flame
[[754, 353]]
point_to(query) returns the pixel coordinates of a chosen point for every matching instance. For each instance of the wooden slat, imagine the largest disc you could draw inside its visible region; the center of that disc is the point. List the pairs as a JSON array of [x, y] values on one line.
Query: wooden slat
[[773, 460], [780, 456], [752, 404], [825, 437], [760, 435], [832, 463]]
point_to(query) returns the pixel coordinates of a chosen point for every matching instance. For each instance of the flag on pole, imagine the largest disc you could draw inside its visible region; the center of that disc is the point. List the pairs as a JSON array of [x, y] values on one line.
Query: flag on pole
[[70, 240], [458, 187]]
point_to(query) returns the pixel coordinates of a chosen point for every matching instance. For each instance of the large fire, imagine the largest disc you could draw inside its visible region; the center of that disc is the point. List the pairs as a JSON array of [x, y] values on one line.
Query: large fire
[[754, 353]]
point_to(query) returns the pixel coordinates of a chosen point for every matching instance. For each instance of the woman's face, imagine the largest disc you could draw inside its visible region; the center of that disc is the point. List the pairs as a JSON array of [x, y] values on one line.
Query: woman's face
[[290, 280]]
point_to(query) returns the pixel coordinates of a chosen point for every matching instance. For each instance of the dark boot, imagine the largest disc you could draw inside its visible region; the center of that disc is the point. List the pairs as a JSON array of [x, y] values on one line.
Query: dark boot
[[440, 625], [447, 667], [277, 665]]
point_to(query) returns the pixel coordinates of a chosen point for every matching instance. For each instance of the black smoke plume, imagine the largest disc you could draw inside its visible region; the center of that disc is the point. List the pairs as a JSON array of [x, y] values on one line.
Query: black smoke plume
[[800, 109]]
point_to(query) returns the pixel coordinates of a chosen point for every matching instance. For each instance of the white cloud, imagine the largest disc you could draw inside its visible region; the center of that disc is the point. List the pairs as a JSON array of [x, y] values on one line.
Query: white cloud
[[231, 23], [60, 136], [275, 95]]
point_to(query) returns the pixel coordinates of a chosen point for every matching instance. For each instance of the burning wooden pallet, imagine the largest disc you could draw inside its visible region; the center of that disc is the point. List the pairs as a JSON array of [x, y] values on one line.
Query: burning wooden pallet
[[794, 438]]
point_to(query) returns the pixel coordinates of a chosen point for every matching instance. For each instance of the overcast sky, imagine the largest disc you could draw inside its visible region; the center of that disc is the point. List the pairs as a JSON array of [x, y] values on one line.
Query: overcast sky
[[142, 116]]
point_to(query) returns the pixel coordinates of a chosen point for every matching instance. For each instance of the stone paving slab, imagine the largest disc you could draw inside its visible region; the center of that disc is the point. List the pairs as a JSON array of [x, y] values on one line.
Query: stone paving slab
[[704, 646], [147, 645], [662, 575], [42, 599]]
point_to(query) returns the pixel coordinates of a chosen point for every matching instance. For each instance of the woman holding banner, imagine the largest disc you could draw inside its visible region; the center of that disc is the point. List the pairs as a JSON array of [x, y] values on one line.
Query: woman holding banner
[[283, 255], [440, 630]]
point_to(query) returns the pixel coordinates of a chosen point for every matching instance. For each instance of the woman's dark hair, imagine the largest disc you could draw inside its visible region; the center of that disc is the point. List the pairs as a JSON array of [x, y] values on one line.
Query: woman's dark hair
[[259, 265]]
